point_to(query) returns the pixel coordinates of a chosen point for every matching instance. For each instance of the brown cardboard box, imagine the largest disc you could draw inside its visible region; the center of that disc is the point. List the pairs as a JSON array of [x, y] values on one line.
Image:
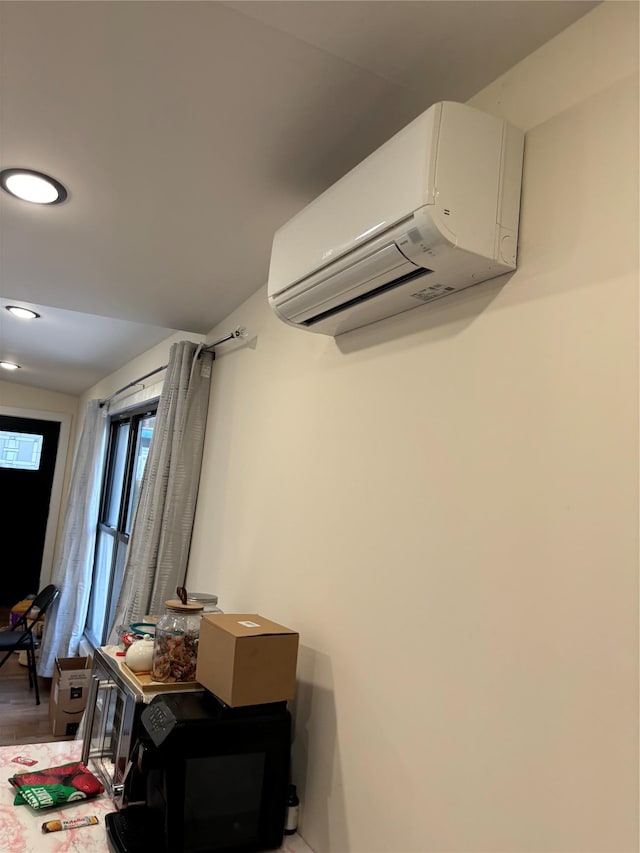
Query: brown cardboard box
[[69, 689], [18, 610], [245, 659]]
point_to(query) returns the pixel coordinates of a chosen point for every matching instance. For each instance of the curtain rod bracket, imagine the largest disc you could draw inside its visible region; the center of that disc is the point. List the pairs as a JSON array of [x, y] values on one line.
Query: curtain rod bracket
[[240, 332]]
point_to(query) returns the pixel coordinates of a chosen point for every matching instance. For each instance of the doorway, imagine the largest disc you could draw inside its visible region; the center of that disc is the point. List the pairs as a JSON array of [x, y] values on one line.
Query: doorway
[[32, 454]]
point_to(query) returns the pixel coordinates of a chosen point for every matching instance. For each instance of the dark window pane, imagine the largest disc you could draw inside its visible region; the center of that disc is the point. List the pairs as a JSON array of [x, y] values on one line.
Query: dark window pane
[[118, 574], [143, 440], [100, 587], [117, 473]]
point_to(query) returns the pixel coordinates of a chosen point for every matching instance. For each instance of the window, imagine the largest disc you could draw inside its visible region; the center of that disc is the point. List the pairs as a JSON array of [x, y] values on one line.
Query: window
[[128, 448], [20, 450]]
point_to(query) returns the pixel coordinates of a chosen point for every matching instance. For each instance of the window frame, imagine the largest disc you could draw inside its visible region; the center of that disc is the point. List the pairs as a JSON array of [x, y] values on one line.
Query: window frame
[[105, 530]]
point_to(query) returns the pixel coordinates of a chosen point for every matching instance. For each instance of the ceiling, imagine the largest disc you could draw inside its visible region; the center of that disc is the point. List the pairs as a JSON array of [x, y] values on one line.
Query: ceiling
[[186, 133]]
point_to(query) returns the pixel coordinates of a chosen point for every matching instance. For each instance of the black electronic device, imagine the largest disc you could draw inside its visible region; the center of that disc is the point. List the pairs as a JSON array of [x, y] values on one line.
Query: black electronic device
[[205, 778]]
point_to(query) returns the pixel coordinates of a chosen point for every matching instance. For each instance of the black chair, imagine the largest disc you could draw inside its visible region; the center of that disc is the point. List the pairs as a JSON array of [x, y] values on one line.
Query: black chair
[[21, 637]]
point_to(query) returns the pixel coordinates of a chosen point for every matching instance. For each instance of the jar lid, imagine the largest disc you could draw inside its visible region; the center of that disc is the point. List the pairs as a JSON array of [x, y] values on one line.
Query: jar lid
[[203, 597], [176, 604]]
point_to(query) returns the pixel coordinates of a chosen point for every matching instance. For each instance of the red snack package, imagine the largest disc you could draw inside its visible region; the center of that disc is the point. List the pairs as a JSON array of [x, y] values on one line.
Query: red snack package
[[65, 769], [36, 779], [88, 783], [22, 759]]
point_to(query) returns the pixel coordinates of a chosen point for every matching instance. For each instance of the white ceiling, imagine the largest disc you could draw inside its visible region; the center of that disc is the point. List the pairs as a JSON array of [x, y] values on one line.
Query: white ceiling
[[188, 132]]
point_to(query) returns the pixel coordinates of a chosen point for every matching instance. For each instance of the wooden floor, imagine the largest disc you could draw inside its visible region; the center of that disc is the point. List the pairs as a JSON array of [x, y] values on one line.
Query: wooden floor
[[21, 720]]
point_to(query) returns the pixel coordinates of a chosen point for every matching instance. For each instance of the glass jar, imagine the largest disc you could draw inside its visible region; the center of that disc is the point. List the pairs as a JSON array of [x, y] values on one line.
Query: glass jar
[[175, 647], [208, 600]]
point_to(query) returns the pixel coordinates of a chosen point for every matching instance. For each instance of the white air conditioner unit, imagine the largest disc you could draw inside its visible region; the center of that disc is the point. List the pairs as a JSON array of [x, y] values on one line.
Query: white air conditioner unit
[[432, 211]]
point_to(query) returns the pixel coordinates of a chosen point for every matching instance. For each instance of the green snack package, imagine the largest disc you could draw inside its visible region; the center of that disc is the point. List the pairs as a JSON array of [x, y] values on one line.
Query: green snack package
[[55, 786], [48, 796]]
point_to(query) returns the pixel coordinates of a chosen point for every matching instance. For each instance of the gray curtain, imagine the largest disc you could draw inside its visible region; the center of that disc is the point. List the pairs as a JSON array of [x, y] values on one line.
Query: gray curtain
[[64, 625], [160, 537]]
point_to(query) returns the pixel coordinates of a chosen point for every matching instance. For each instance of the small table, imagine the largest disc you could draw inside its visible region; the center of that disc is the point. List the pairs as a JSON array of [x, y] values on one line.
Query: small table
[[21, 826]]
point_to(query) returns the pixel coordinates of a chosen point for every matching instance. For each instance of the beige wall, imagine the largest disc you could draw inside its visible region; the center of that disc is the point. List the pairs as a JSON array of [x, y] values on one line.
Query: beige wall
[[14, 395], [445, 505]]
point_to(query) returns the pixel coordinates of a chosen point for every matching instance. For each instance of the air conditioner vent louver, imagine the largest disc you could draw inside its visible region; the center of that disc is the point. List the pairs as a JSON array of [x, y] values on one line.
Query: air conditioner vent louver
[[364, 297]]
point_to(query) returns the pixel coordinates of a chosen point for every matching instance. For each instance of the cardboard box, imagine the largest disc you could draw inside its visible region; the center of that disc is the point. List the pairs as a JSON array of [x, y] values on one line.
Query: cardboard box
[[18, 610], [69, 689], [245, 659]]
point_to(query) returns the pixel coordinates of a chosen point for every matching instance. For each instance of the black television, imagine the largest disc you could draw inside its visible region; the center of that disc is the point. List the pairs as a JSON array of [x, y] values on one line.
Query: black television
[[205, 778]]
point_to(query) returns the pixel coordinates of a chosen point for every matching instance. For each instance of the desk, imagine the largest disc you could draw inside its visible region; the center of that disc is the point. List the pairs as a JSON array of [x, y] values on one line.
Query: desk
[[21, 827]]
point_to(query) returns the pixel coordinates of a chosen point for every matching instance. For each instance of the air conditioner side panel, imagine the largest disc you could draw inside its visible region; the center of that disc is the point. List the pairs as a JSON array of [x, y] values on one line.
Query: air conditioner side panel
[[468, 166]]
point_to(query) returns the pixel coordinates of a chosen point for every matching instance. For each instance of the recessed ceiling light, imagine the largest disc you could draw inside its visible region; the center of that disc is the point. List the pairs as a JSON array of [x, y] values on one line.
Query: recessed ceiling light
[[32, 186], [9, 365], [23, 313]]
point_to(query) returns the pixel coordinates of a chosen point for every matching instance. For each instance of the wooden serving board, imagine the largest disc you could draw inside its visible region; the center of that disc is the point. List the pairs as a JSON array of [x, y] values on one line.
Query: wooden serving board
[[145, 682]]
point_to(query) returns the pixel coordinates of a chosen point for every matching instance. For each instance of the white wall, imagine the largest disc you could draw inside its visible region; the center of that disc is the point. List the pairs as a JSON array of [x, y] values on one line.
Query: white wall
[[445, 505]]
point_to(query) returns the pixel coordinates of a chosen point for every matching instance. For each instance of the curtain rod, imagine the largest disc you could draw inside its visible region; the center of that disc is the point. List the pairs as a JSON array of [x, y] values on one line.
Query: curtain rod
[[240, 332]]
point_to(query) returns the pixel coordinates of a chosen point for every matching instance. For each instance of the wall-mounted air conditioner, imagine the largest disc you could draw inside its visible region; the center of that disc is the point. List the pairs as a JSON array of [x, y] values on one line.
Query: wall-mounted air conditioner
[[431, 212]]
